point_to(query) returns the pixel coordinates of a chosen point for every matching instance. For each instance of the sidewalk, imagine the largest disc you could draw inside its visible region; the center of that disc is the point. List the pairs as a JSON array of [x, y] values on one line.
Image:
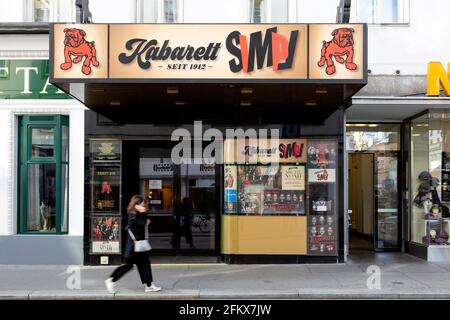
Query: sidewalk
[[402, 276]]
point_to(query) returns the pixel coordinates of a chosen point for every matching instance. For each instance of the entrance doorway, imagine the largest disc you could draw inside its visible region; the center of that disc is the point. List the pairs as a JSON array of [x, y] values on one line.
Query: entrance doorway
[[181, 199], [373, 201]]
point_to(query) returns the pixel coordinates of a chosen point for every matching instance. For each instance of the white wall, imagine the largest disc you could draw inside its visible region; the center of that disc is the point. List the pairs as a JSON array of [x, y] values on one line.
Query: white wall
[[11, 10], [112, 11], [317, 11], [215, 11], [9, 111], [409, 48]]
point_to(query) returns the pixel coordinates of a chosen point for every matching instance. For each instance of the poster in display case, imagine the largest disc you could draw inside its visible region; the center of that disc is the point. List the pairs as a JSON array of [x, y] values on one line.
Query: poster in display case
[[105, 150], [105, 189], [230, 187], [105, 235], [270, 190], [322, 217]]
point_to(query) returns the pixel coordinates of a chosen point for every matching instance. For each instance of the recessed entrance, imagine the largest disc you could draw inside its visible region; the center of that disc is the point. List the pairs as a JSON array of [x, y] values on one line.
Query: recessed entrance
[[181, 198], [373, 201]]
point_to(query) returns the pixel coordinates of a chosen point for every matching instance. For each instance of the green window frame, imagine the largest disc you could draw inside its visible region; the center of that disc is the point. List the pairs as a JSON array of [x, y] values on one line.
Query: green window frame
[[43, 177]]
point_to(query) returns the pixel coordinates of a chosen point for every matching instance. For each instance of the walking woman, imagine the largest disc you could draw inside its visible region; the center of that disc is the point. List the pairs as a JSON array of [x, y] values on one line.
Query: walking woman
[[137, 231]]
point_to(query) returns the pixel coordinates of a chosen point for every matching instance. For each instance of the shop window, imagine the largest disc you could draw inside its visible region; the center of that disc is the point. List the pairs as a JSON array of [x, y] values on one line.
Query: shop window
[[380, 11], [43, 174], [299, 181], [430, 179]]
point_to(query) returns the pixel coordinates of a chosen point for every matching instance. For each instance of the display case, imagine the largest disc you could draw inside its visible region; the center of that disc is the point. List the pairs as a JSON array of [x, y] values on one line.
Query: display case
[[430, 179], [301, 183]]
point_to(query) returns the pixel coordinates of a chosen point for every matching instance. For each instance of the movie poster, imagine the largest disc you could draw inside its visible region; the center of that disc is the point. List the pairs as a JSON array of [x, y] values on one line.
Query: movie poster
[[251, 203], [264, 176], [293, 177], [105, 188], [322, 154], [321, 198], [284, 202], [105, 234], [230, 186], [322, 235]]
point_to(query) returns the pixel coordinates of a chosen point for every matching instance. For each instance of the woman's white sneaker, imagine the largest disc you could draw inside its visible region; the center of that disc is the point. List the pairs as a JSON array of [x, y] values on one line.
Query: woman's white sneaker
[[110, 285], [152, 288]]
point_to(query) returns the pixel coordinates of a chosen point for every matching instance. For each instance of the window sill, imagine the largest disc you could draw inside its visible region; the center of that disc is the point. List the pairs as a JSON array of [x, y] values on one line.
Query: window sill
[[24, 28]]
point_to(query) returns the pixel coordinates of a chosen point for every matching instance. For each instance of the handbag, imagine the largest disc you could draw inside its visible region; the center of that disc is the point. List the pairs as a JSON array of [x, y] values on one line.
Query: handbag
[[141, 245]]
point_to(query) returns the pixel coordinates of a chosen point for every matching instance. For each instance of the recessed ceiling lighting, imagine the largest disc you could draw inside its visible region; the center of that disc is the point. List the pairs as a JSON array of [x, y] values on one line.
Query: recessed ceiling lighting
[[246, 103], [180, 103], [247, 90], [172, 90], [321, 90], [114, 103], [311, 103]]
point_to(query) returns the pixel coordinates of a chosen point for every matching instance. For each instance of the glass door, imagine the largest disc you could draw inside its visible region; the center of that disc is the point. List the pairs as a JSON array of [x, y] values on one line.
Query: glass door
[[386, 235], [182, 203], [158, 185], [197, 210]]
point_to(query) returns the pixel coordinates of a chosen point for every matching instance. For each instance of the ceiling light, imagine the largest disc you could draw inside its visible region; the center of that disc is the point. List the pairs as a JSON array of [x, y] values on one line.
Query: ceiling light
[[373, 125], [180, 103], [172, 90], [311, 103], [321, 90], [114, 103], [247, 90], [246, 103]]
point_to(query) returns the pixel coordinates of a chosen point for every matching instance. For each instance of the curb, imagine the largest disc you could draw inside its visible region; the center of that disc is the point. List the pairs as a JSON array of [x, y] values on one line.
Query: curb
[[331, 294]]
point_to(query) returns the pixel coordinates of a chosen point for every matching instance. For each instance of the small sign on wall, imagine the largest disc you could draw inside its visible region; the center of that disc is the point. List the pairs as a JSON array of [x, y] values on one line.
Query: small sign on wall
[[104, 260], [155, 184]]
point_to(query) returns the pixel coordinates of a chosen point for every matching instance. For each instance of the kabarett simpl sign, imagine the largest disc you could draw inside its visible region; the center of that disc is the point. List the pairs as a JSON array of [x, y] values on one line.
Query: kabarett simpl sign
[[208, 52]]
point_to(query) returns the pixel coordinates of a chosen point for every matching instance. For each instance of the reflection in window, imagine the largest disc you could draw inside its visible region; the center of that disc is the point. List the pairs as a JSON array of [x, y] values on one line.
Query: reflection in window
[[41, 197], [373, 137], [41, 10], [381, 11], [430, 179], [170, 11], [257, 11], [42, 141]]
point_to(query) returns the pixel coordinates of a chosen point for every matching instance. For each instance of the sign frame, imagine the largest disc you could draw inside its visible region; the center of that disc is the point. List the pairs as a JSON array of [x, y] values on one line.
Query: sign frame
[[230, 80]]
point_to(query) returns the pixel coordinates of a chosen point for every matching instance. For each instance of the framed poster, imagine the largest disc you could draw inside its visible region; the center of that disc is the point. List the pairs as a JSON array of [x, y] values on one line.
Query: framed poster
[[322, 235], [105, 189], [284, 202], [230, 186], [322, 154], [105, 235], [293, 178], [105, 150]]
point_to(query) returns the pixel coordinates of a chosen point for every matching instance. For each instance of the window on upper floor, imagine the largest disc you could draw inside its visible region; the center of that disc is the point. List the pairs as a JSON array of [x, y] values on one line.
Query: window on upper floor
[[258, 11], [380, 11], [38, 11], [159, 11]]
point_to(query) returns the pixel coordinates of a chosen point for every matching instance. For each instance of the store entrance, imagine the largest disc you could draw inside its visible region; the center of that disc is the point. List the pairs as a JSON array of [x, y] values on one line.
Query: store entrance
[[181, 198], [373, 201]]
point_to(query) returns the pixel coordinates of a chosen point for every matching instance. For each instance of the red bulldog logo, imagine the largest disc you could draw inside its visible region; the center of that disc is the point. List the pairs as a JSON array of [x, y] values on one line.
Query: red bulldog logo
[[76, 45], [341, 45]]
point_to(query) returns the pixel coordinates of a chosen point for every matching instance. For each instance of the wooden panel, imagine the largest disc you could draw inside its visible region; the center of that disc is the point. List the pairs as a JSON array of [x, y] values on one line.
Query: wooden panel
[[264, 235]]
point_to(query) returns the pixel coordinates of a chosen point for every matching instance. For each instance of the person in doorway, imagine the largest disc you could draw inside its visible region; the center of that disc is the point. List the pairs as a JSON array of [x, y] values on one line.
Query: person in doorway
[[137, 223], [186, 212]]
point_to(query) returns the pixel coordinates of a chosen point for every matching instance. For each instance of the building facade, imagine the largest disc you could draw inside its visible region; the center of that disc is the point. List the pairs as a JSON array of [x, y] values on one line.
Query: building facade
[[387, 129]]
